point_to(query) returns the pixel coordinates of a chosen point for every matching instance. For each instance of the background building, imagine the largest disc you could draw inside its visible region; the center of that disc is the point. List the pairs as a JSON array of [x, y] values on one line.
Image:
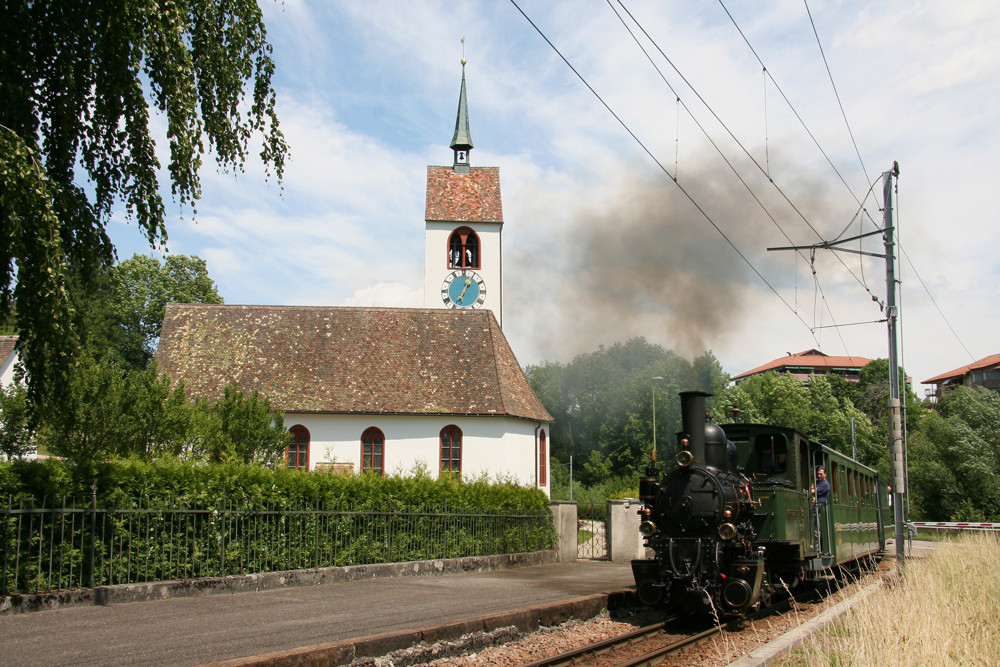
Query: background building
[[810, 362], [982, 373]]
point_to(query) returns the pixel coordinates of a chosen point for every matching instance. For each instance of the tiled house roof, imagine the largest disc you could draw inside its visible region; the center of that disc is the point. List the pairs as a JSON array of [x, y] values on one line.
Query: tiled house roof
[[472, 197], [991, 361], [349, 360], [809, 361], [7, 344]]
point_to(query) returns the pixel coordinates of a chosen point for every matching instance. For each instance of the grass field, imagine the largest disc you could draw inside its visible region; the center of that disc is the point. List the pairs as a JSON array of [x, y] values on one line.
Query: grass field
[[942, 611]]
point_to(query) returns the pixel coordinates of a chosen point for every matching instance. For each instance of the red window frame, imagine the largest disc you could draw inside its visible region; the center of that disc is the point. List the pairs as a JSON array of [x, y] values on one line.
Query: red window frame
[[464, 249], [297, 452], [373, 451], [543, 459], [451, 450]]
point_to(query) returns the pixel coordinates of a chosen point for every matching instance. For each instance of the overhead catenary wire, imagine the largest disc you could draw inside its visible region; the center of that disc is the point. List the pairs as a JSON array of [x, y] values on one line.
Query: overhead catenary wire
[[791, 107], [722, 123], [833, 85], [648, 152], [817, 285], [861, 211]]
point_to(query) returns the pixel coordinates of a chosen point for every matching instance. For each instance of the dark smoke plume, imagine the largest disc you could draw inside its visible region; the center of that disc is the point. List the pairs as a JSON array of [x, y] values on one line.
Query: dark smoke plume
[[650, 264]]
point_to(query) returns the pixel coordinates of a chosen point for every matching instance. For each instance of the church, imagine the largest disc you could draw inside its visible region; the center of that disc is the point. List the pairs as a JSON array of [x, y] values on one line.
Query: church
[[389, 390]]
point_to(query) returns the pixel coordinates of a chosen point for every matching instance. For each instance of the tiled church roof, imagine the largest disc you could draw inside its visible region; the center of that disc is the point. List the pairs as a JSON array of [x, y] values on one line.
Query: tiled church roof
[[349, 360], [472, 197]]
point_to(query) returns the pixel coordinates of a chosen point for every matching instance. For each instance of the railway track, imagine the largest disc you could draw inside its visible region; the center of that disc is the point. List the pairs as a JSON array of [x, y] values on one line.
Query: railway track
[[649, 645], [607, 651]]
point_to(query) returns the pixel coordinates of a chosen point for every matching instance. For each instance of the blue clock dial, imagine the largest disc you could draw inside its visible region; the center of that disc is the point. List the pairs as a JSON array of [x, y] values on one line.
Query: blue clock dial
[[463, 289]]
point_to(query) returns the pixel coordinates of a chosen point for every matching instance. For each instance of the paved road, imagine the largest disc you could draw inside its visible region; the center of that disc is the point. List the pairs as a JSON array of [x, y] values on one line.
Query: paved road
[[194, 631]]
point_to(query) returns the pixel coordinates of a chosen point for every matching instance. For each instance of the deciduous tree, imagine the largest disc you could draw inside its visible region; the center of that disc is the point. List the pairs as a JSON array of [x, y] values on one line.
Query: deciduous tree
[[141, 287], [78, 83]]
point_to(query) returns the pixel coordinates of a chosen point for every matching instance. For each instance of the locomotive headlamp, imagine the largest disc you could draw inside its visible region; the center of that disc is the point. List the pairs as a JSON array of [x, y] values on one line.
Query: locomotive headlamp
[[647, 529], [727, 531], [684, 458]]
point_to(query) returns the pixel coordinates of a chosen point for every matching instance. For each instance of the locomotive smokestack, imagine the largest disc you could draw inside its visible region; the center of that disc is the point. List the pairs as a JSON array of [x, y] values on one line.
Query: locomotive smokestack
[[693, 424]]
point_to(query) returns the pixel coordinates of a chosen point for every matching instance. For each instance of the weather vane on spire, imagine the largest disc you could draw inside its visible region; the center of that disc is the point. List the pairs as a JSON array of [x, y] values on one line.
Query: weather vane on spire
[[463, 51]]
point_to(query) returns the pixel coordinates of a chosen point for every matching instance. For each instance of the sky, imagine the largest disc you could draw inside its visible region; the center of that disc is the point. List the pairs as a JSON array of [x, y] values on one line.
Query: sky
[[641, 200]]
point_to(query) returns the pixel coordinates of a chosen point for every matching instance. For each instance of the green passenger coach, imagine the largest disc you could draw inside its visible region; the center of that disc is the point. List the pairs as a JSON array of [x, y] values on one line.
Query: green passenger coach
[[805, 539]]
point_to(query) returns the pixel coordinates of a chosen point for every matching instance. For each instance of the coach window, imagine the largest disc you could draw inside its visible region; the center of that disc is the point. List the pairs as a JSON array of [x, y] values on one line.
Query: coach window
[[451, 450], [463, 249], [834, 481], [772, 453], [373, 451], [297, 454]]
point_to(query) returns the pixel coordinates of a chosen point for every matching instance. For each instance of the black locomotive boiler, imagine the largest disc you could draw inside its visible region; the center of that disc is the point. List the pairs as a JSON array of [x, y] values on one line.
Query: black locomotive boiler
[[735, 518]]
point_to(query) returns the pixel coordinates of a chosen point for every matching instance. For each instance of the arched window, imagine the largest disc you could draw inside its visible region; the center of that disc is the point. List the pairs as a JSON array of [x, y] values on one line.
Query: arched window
[[543, 459], [372, 451], [451, 449], [463, 249], [297, 453]]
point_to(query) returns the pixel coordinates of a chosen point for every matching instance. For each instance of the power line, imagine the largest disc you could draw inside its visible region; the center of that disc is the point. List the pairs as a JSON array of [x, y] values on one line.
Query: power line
[[731, 134], [658, 163], [766, 172], [834, 86], [791, 106]]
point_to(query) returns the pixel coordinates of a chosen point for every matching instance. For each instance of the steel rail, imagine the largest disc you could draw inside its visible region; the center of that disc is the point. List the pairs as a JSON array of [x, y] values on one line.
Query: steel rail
[[654, 656], [597, 647]]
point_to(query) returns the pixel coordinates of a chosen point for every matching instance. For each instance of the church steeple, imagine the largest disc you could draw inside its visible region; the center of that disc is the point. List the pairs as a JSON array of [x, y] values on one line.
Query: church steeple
[[461, 143]]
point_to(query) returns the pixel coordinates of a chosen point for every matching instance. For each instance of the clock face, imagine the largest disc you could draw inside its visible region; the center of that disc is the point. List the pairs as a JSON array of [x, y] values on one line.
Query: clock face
[[463, 289]]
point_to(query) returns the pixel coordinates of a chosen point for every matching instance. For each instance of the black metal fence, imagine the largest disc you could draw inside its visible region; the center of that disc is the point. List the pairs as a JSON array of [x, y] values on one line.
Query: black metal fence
[[70, 544]]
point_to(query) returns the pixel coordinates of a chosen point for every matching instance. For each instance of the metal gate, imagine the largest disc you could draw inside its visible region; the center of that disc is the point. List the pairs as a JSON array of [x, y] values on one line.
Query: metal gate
[[592, 530]]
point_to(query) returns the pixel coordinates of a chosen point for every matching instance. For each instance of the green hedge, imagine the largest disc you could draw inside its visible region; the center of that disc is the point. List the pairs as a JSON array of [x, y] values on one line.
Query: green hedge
[[182, 520], [194, 484]]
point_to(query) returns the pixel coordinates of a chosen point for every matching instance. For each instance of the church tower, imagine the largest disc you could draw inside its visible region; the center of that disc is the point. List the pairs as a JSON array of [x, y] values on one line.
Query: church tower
[[463, 224]]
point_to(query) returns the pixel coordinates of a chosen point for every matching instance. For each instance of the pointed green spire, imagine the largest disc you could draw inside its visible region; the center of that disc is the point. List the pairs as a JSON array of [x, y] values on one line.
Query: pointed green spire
[[461, 143]]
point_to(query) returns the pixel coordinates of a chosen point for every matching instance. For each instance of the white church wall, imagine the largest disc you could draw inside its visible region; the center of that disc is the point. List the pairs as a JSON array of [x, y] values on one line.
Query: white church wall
[[496, 447]]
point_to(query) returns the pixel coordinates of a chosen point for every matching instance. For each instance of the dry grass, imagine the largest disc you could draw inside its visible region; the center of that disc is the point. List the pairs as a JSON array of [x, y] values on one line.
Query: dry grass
[[943, 611]]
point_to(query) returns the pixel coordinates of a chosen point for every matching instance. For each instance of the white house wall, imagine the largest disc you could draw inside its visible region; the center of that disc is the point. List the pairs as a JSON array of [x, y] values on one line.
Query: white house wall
[[7, 369], [498, 447]]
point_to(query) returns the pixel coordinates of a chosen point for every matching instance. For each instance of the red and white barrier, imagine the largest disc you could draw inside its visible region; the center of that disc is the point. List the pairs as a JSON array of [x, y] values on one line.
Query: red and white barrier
[[954, 525]]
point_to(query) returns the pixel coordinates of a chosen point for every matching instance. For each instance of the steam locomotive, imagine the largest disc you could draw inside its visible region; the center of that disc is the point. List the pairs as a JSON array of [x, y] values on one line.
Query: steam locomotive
[[735, 519]]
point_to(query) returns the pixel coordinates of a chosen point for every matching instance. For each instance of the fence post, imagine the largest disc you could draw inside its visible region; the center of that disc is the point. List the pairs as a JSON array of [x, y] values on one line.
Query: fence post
[[93, 532], [564, 513], [222, 536], [624, 540], [6, 545]]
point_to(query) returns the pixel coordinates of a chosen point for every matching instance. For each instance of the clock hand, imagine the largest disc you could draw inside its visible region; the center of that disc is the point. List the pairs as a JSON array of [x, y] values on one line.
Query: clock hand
[[468, 281]]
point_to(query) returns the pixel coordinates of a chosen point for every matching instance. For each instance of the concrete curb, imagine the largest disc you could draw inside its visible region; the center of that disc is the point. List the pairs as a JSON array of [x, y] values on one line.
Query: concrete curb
[[770, 651], [373, 646], [160, 590]]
